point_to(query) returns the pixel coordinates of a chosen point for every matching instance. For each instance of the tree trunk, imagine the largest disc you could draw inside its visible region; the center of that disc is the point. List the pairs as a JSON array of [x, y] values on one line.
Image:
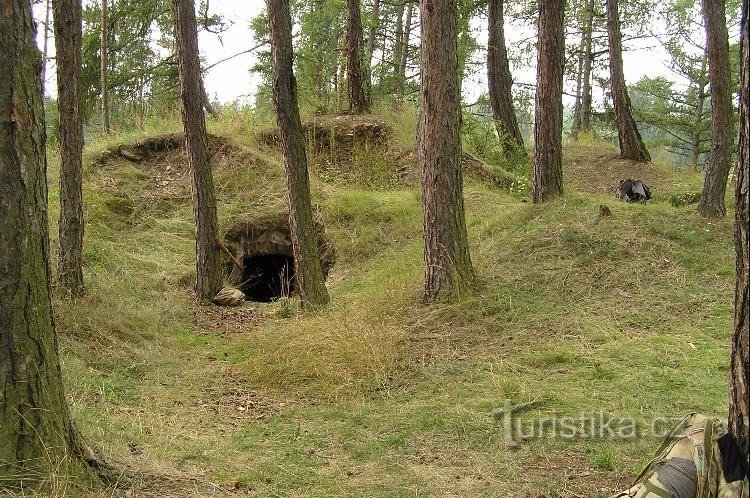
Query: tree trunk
[[575, 128], [739, 378], [206, 101], [37, 433], [308, 272], [697, 138], [631, 144], [45, 52], [401, 75], [68, 38], [208, 257], [370, 46], [357, 97], [500, 82], [104, 68], [588, 60], [448, 263], [548, 174], [398, 38], [720, 157]]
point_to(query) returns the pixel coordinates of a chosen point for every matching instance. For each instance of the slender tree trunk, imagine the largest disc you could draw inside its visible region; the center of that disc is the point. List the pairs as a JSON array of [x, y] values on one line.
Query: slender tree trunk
[[631, 144], [448, 264], [208, 257], [308, 272], [576, 125], [37, 433], [357, 97], [370, 46], [588, 60], [45, 52], [500, 82], [739, 377], [398, 46], [720, 157], [548, 174], [68, 39], [401, 75], [104, 68], [697, 138]]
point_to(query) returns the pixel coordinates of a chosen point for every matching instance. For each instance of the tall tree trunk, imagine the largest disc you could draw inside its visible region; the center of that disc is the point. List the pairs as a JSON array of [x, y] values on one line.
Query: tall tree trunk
[[631, 144], [208, 257], [739, 378], [720, 157], [37, 433], [398, 40], [548, 174], [576, 125], [357, 97], [104, 68], [45, 51], [401, 74], [697, 138], [308, 272], [448, 264], [588, 60], [370, 46], [500, 81], [68, 39]]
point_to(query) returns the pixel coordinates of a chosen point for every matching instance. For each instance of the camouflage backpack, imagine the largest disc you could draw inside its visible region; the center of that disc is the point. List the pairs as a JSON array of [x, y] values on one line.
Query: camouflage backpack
[[697, 459]]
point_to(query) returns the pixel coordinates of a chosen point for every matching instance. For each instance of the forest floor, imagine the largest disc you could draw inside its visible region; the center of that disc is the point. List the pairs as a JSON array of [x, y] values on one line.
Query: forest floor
[[379, 395]]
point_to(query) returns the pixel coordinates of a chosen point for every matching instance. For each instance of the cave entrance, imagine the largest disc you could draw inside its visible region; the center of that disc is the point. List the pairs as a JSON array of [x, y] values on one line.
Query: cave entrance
[[267, 277]]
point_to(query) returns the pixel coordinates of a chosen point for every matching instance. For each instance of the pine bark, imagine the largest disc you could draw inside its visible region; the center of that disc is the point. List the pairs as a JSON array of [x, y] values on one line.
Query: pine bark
[[739, 378], [720, 157], [448, 263], [37, 433], [548, 174], [588, 60], [357, 96], [208, 258], [500, 81], [104, 67], [308, 272], [68, 39], [631, 143]]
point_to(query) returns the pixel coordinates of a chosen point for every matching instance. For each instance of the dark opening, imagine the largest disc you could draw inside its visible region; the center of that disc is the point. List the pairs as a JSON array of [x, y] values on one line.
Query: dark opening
[[267, 277]]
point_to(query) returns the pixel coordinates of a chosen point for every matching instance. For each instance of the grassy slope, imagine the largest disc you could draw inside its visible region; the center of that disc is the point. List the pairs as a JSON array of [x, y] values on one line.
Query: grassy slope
[[379, 395]]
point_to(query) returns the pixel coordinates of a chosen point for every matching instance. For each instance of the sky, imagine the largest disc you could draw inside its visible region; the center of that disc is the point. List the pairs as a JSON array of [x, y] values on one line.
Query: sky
[[232, 81]]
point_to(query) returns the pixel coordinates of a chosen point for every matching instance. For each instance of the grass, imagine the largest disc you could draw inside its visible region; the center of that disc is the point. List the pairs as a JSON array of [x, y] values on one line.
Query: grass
[[378, 395]]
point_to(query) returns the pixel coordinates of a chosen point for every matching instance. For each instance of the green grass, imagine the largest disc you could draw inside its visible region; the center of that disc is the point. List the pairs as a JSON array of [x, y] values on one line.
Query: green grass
[[378, 395]]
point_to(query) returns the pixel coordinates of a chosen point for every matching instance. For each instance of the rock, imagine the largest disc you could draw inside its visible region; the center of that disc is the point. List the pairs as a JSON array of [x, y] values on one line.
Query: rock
[[229, 296]]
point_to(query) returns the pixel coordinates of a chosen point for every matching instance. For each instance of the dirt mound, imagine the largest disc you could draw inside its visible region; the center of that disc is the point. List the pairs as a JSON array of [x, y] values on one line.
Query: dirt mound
[[151, 174], [338, 136], [597, 169]]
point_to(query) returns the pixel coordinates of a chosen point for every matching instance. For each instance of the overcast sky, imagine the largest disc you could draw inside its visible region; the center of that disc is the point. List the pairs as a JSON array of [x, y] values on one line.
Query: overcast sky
[[232, 80]]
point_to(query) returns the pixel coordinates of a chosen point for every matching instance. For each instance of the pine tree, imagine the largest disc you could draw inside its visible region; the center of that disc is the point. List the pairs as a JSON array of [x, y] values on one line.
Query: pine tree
[[720, 156], [631, 143], [37, 435], [308, 272], [548, 174], [208, 259], [448, 263], [68, 34]]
